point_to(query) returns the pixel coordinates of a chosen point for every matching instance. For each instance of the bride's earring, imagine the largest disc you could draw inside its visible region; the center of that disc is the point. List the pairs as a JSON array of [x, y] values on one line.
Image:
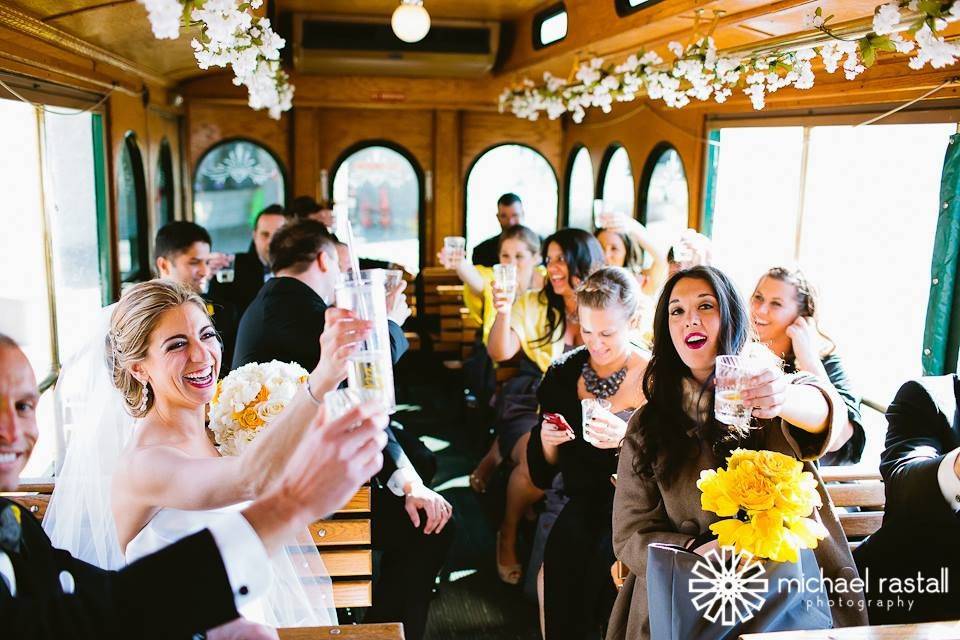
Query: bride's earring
[[143, 398]]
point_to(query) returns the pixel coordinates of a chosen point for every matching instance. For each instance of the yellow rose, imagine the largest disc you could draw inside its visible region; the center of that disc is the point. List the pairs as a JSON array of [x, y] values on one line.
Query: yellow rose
[[715, 497], [738, 456], [248, 419], [777, 466], [807, 531], [749, 488], [270, 410], [735, 533], [262, 396], [772, 539], [799, 496]]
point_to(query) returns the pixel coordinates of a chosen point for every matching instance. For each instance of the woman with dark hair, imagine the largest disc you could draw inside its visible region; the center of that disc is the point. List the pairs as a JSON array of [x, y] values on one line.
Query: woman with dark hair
[[530, 331], [784, 310], [577, 591], [675, 436]]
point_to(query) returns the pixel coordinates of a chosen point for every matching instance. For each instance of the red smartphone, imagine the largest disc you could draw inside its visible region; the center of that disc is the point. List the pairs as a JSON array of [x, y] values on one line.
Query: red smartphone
[[557, 421]]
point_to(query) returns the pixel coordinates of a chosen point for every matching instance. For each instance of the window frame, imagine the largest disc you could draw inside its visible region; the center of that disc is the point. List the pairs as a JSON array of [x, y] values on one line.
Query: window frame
[[473, 163], [165, 166], [568, 178], [140, 271], [624, 9], [421, 185], [541, 17], [646, 176], [605, 165]]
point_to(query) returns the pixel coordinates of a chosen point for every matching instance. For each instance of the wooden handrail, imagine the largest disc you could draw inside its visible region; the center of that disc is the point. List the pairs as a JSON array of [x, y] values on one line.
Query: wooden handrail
[[873, 404]]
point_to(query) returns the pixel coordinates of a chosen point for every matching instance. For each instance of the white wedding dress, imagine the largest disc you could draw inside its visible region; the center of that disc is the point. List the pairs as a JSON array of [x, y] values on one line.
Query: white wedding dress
[[80, 519]]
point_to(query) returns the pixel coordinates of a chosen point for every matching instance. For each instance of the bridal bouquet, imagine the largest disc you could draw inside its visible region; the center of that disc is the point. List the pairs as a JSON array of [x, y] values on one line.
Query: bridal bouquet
[[767, 499], [249, 399]]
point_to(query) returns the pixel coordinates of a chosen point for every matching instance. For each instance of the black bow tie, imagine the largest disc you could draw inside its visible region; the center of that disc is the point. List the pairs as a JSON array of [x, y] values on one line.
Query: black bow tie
[[10, 528]]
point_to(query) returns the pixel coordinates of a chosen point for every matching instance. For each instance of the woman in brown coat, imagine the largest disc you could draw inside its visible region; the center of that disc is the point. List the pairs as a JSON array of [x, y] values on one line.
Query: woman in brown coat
[[675, 436]]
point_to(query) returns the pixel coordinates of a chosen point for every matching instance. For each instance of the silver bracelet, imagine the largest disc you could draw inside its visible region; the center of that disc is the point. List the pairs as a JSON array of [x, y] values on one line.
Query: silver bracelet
[[317, 402]]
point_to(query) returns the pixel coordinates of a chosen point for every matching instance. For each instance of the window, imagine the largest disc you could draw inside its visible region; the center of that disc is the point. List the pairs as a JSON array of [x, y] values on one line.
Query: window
[[163, 193], [381, 189], [550, 26], [616, 181], [580, 191], [663, 195], [234, 181], [833, 199], [73, 224], [626, 7], [510, 168], [133, 235]]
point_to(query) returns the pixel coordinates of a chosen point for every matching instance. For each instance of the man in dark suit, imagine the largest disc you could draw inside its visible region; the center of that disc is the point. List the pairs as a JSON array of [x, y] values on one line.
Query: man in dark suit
[[509, 213], [285, 322], [193, 585], [306, 208], [921, 521], [251, 269], [182, 251]]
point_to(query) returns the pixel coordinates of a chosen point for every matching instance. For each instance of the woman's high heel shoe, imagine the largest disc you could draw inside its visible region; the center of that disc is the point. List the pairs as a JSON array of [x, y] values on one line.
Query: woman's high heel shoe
[[509, 574]]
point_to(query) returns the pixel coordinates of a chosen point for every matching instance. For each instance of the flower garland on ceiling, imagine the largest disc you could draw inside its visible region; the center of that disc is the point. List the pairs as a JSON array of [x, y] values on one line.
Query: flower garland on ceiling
[[230, 35], [699, 71]]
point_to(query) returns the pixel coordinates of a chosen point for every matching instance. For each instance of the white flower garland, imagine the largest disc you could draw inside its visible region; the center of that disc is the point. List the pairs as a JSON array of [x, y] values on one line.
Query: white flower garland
[[700, 72], [231, 36]]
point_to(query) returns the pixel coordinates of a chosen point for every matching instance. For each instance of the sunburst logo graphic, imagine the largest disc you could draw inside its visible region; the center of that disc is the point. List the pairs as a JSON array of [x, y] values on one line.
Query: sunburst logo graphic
[[729, 586]]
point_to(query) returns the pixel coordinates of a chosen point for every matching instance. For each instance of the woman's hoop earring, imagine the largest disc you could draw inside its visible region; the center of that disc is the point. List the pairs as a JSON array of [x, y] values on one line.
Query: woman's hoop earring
[[143, 398]]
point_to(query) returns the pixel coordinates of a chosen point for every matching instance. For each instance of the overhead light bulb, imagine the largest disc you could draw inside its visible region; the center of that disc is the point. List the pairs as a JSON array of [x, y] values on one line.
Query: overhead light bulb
[[410, 21]]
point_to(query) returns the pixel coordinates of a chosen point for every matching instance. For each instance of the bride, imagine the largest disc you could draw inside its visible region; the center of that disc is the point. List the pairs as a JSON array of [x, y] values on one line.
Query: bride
[[141, 471]]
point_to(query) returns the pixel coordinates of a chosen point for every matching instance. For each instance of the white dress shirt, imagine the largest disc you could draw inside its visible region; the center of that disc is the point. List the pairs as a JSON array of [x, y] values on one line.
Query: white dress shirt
[[948, 480]]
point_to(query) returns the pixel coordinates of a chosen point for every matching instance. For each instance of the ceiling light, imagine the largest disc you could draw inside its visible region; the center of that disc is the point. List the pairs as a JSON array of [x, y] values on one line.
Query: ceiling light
[[410, 21]]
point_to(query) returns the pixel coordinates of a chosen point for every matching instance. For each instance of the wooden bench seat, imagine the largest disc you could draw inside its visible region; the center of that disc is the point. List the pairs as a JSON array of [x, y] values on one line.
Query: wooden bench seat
[[385, 631]]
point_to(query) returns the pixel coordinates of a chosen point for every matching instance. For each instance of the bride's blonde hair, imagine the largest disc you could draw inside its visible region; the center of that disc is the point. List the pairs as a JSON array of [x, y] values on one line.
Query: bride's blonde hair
[[133, 320]]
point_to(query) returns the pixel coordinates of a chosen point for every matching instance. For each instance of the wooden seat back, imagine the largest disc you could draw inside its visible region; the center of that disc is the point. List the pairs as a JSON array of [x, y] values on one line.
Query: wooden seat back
[[442, 304], [384, 631], [860, 498], [344, 542]]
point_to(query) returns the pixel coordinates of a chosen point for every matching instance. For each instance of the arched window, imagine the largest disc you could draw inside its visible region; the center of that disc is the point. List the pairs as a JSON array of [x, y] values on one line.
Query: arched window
[[379, 187], [616, 181], [510, 168], [234, 181], [133, 241], [664, 195], [580, 191], [163, 185]]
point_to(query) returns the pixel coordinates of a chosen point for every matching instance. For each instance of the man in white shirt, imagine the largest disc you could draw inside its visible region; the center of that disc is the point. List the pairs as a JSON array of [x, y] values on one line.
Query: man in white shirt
[[920, 536], [191, 586]]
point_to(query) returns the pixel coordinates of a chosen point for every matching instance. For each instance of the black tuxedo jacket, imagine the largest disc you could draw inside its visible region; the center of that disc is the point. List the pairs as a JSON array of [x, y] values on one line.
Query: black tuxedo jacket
[[248, 274], [487, 253], [174, 593], [921, 531], [284, 322]]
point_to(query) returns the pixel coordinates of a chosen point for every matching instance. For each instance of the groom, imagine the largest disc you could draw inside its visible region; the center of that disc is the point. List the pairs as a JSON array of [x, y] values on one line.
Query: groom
[[195, 584]]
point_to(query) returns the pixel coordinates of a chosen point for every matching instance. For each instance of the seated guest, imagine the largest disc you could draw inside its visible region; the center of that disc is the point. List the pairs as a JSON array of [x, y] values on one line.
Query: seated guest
[[784, 308], [531, 331], [286, 322], [921, 519], [182, 250], [306, 208], [509, 213], [519, 246], [675, 436], [625, 243], [195, 584], [252, 268], [577, 591]]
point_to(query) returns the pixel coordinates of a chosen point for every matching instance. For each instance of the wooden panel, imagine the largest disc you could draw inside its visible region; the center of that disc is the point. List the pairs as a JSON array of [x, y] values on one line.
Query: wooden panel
[[354, 562], [447, 218], [306, 174], [35, 504], [359, 503], [859, 494], [927, 631], [209, 124], [342, 128], [481, 131], [352, 593], [385, 631], [327, 533], [860, 524], [35, 487]]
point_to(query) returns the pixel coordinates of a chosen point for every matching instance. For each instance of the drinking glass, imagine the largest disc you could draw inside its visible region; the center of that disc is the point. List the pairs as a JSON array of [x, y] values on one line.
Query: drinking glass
[[589, 408], [731, 373], [370, 372], [455, 247], [393, 278], [339, 401], [505, 275], [227, 274]]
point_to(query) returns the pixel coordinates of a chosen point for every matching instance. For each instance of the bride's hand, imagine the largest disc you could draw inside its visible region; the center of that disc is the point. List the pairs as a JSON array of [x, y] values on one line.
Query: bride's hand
[[242, 629], [342, 332]]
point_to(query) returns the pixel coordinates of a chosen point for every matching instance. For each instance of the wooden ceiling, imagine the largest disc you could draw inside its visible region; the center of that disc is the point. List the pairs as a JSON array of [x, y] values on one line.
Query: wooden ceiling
[[475, 9]]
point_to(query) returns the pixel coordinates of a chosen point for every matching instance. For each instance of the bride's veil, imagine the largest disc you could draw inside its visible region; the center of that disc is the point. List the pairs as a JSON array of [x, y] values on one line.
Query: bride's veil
[[79, 518]]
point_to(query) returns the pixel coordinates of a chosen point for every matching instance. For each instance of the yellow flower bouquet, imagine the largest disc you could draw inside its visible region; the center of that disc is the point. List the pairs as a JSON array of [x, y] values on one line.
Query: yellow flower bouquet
[[249, 399], [767, 499]]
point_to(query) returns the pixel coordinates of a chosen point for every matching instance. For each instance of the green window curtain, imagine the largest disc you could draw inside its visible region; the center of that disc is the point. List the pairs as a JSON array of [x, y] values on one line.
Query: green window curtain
[[942, 330], [710, 190]]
